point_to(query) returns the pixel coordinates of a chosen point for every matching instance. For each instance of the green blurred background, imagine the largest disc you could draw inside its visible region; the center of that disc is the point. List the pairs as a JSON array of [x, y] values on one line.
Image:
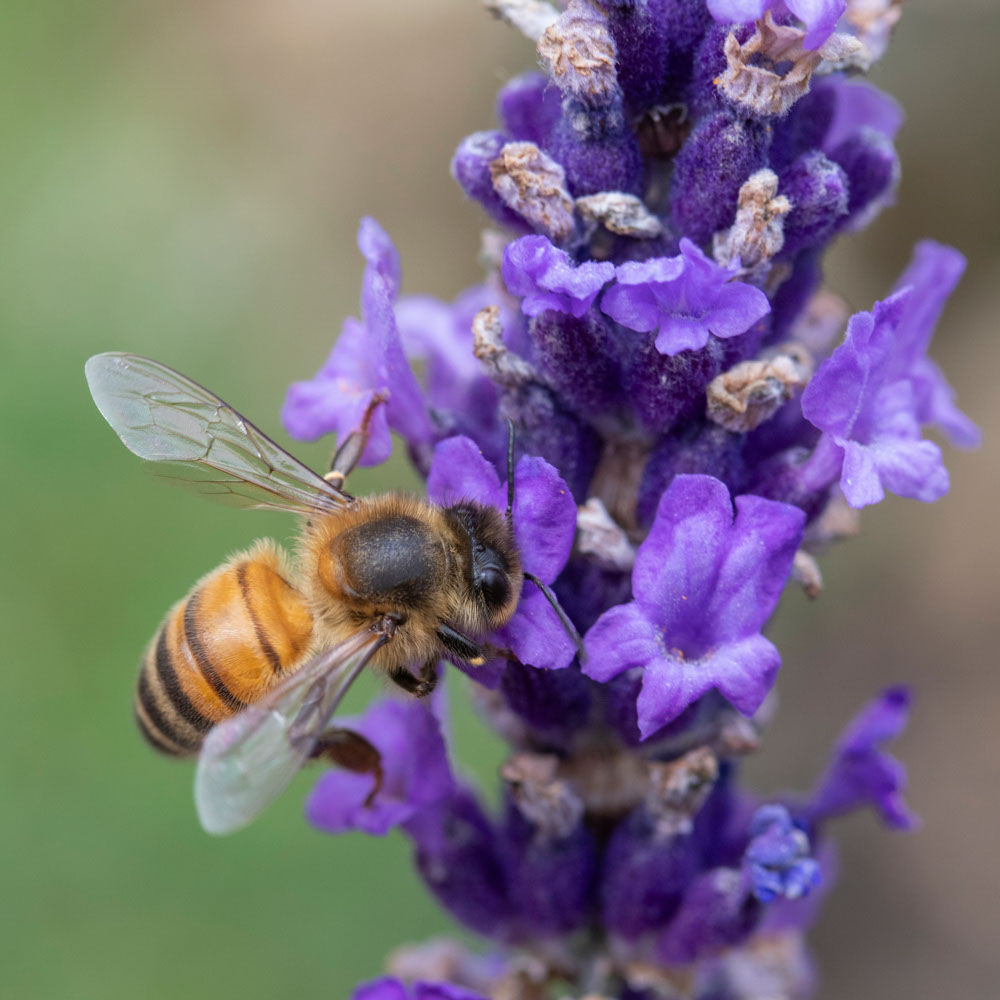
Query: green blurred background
[[184, 180]]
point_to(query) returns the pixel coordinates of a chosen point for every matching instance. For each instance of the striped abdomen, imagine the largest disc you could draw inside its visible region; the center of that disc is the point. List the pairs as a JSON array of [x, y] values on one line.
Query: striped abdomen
[[240, 630]]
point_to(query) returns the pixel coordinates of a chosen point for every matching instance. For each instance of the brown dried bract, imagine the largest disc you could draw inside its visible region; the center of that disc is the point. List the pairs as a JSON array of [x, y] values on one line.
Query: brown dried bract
[[504, 367], [678, 789], [758, 233], [532, 184], [580, 53], [752, 391], [620, 213], [752, 78], [805, 571], [601, 539], [542, 797]]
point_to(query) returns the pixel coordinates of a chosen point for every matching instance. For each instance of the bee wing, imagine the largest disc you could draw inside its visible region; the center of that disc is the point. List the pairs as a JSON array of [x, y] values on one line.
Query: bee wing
[[163, 416], [248, 760]]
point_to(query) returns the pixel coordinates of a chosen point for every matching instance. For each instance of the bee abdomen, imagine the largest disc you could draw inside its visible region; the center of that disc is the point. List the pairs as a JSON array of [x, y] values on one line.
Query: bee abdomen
[[220, 649]]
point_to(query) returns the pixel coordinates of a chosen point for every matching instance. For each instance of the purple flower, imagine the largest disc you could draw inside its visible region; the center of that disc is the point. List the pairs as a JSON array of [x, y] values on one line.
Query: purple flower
[[547, 278], [777, 857], [685, 298], [861, 773], [704, 584], [871, 427], [819, 16], [931, 276], [390, 988], [415, 771], [544, 524], [368, 359]]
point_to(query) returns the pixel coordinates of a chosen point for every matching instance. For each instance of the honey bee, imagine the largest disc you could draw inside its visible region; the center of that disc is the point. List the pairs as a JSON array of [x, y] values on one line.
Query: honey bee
[[248, 669]]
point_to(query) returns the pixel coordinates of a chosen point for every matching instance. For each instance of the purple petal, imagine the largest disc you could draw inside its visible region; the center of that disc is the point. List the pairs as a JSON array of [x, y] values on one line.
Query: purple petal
[[460, 472], [757, 562], [669, 685], [535, 635], [820, 18], [861, 773], [936, 405], [859, 479], [622, 638], [932, 275], [676, 565], [743, 671], [544, 518], [635, 308], [738, 11], [858, 105], [547, 278], [386, 988]]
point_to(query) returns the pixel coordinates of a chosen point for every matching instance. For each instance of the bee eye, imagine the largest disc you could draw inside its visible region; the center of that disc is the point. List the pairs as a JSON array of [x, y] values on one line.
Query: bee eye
[[492, 584]]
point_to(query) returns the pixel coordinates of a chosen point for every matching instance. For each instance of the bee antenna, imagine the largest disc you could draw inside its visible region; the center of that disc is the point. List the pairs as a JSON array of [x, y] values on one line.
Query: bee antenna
[[560, 614], [510, 470]]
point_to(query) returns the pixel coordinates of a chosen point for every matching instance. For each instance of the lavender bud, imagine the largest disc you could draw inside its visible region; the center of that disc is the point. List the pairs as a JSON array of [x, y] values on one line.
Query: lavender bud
[[869, 160], [528, 107], [652, 856], [532, 185], [804, 128], [818, 191], [546, 430], [550, 855], [580, 55], [709, 171], [597, 149], [458, 854], [471, 167], [643, 42], [556, 702], [576, 358]]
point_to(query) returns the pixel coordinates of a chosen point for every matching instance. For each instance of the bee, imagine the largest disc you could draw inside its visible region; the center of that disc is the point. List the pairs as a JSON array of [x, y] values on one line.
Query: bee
[[249, 668]]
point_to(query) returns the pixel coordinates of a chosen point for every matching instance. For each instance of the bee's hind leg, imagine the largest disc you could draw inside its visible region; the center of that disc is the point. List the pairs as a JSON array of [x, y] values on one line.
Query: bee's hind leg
[[351, 751], [420, 685]]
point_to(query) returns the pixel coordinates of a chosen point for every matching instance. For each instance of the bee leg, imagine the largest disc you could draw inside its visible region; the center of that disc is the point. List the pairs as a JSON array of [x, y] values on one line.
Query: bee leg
[[460, 645], [421, 685], [351, 751], [349, 453]]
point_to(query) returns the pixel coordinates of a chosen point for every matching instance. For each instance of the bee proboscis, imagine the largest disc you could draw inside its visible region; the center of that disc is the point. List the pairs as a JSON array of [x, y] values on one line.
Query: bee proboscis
[[250, 666]]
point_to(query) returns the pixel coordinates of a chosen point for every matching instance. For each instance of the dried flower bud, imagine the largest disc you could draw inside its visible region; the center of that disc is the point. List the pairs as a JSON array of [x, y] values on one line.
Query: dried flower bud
[[872, 22], [677, 790], [532, 184], [503, 366], [540, 796], [805, 571], [600, 538], [757, 235], [580, 54], [757, 79], [530, 17], [752, 391], [620, 213]]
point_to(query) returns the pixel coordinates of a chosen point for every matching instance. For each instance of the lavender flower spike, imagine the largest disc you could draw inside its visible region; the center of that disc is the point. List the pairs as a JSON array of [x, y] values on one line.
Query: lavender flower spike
[[685, 298], [688, 441], [704, 584]]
